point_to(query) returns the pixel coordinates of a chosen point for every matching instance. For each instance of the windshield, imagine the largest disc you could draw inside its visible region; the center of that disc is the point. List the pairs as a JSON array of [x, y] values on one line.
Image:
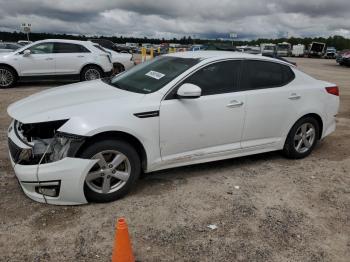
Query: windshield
[[152, 75]]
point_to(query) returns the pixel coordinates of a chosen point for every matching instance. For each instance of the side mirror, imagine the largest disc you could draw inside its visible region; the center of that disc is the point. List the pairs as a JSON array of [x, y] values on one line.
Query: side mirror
[[188, 91], [26, 52]]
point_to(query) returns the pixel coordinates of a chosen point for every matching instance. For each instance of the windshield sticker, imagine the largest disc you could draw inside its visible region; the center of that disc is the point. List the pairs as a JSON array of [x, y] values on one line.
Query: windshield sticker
[[155, 75]]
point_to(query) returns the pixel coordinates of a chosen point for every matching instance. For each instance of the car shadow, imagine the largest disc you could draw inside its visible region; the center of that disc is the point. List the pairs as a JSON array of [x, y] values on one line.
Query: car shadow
[[150, 183]]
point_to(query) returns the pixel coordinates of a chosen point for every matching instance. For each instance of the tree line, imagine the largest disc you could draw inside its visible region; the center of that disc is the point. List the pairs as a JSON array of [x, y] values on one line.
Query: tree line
[[339, 42]]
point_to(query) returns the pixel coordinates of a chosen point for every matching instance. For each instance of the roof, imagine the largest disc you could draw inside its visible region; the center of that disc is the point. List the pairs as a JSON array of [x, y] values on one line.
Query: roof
[[65, 41], [224, 54]]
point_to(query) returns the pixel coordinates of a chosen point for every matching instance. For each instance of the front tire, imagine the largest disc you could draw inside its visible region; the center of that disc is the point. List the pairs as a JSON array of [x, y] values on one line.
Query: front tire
[[8, 77], [91, 72], [302, 138], [115, 173]]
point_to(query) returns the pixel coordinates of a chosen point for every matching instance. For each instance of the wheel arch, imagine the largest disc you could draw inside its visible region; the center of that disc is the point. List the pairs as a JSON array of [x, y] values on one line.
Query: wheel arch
[[91, 64], [14, 69], [317, 117], [135, 142]]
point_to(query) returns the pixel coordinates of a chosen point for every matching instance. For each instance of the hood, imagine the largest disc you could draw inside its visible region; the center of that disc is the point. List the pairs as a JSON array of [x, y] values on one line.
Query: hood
[[67, 101]]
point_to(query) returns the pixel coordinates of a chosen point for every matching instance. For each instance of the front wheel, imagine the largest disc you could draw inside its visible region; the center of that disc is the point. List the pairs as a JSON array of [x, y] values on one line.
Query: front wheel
[[114, 174], [7, 77], [302, 138]]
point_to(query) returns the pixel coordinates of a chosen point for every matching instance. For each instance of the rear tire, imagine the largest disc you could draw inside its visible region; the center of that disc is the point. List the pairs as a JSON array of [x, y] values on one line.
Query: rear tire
[[115, 173], [8, 77], [302, 138], [91, 72]]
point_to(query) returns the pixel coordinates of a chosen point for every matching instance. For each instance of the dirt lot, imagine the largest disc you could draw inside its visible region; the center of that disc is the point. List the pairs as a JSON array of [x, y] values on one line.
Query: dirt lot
[[283, 210]]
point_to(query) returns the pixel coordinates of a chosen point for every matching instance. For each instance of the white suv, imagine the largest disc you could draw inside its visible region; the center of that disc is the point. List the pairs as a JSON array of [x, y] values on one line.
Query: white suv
[[54, 59]]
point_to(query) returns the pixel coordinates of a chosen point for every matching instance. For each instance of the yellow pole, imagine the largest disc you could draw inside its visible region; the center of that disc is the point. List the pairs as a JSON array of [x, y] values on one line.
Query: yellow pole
[[174, 50], [158, 50], [151, 52], [143, 54]]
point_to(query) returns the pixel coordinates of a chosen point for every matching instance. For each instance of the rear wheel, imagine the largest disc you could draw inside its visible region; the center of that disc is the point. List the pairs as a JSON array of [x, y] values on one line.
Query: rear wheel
[[302, 138], [8, 77], [91, 72], [117, 169]]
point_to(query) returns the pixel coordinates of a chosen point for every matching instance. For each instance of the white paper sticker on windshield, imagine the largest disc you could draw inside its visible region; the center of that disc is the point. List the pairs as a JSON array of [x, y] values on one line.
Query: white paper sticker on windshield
[[155, 75]]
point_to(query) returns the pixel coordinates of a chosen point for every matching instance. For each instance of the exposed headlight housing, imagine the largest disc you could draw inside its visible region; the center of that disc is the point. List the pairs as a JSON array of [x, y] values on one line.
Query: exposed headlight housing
[[48, 145]]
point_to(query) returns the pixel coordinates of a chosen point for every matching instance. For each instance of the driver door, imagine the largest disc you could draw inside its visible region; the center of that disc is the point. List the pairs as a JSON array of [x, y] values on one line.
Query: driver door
[[39, 62], [212, 123]]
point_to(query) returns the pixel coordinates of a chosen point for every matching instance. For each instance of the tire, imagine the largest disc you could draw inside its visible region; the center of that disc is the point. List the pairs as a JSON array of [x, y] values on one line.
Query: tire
[[104, 172], [299, 144], [8, 77], [91, 72]]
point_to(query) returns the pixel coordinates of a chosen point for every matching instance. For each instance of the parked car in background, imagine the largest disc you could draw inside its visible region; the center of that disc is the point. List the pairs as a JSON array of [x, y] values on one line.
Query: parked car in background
[[268, 49], [6, 47], [316, 49], [248, 49], [331, 52], [54, 59], [343, 58], [163, 114], [120, 61], [284, 49], [298, 50], [24, 42], [121, 48], [279, 58]]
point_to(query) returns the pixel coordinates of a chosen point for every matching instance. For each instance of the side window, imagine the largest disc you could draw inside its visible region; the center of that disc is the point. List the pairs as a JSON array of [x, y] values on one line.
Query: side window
[[216, 78], [69, 48], [264, 74], [44, 48]]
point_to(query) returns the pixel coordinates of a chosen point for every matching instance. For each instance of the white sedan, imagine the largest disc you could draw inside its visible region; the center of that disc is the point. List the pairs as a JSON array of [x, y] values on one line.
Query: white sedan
[[89, 142]]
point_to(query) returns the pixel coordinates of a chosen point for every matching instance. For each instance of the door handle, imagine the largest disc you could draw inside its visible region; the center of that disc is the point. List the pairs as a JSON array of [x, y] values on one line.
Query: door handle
[[49, 58], [294, 96], [80, 56], [235, 103]]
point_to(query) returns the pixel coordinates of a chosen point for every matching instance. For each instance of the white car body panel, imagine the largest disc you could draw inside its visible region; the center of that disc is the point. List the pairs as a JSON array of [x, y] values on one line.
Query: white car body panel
[[187, 131]]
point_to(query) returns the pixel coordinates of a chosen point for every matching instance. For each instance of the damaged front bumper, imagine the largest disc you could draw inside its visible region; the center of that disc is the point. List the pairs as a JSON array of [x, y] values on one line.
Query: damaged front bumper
[[55, 181]]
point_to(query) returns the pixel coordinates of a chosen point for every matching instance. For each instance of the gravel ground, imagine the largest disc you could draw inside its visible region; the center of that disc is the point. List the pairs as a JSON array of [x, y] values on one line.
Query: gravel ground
[[266, 208]]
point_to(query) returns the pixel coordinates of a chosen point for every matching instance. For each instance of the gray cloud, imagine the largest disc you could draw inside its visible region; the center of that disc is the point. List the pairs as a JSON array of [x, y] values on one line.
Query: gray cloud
[[203, 18]]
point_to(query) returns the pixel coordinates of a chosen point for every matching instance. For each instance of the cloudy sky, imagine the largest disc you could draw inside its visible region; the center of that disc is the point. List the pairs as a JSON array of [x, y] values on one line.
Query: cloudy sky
[[177, 18]]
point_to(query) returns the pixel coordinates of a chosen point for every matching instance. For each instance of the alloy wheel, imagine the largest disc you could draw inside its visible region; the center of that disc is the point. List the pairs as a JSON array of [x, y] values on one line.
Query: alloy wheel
[[110, 173], [92, 74], [304, 138], [6, 77]]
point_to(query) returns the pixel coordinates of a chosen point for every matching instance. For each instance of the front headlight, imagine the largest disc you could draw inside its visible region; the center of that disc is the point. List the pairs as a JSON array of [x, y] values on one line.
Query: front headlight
[[64, 145]]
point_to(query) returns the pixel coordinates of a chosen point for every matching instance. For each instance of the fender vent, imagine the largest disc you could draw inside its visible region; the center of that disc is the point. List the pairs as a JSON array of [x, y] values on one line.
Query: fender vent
[[147, 114]]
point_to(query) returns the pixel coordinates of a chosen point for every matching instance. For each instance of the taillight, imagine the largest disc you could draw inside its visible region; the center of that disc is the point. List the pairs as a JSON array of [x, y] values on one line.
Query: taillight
[[333, 90]]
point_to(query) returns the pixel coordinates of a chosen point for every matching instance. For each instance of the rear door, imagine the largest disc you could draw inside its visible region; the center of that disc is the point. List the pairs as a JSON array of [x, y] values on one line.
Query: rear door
[[271, 102], [69, 58]]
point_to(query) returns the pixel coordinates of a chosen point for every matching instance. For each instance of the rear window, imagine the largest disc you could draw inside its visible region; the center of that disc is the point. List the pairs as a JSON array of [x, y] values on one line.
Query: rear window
[[264, 74]]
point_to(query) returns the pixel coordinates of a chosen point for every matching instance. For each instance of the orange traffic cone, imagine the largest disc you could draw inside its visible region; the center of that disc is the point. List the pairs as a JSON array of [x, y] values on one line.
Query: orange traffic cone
[[122, 251]]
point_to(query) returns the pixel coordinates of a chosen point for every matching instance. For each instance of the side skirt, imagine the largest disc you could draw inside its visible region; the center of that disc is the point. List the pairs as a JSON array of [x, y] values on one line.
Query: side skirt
[[198, 159], [43, 78]]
